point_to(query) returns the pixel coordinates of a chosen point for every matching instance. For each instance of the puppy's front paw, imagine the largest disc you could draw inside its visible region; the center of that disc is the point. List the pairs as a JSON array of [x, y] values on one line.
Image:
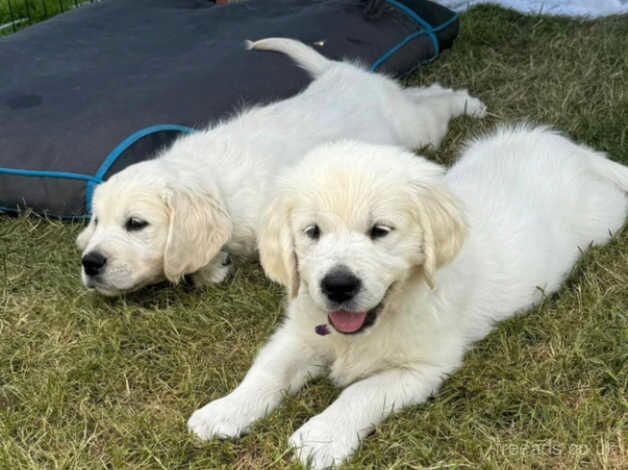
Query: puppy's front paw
[[223, 418], [474, 107], [323, 443]]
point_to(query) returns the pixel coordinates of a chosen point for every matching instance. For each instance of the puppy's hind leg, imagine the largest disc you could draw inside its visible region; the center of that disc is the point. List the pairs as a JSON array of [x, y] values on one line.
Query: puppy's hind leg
[[417, 92], [425, 119], [459, 101]]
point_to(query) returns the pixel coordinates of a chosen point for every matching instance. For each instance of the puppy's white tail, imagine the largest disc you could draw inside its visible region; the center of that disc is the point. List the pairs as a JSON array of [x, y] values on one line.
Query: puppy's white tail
[[312, 61], [613, 171]]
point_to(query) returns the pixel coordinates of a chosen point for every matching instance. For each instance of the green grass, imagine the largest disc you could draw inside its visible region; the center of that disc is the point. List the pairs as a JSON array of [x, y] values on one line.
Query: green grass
[[33, 11], [88, 382]]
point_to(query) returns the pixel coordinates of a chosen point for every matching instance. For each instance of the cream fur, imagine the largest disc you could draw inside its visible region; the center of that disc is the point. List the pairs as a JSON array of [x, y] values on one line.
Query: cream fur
[[225, 172], [498, 231]]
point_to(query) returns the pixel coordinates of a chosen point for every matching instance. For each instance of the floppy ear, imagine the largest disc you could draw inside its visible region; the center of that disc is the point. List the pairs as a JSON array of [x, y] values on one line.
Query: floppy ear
[[276, 245], [85, 235], [442, 222], [199, 227]]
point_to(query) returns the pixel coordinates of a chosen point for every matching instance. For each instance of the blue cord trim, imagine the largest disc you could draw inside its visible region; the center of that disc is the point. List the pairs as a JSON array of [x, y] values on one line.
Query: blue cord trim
[[390, 52], [122, 146], [47, 174], [424, 24], [427, 29], [444, 25], [92, 181]]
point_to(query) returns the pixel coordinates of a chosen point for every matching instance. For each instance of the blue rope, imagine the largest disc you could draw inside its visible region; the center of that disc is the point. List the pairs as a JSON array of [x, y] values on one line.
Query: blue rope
[[427, 29], [109, 161], [120, 148], [47, 174], [424, 24]]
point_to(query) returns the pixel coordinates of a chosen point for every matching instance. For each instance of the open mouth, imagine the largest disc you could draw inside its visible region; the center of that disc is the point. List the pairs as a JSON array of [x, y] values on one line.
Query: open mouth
[[350, 323]]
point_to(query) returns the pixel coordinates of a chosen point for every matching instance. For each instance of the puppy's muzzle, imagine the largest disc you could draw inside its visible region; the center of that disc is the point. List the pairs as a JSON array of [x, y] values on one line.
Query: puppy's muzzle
[[340, 285]]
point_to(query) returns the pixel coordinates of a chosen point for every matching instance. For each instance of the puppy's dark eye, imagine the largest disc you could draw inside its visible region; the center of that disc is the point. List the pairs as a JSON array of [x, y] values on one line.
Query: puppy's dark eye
[[379, 231], [95, 221], [133, 224], [313, 232]]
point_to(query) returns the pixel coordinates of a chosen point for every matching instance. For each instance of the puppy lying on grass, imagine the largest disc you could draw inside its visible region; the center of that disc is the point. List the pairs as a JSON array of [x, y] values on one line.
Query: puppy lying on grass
[[394, 267], [171, 216]]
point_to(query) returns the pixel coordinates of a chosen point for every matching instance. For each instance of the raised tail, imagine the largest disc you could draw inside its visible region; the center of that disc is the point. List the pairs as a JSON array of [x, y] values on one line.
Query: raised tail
[[305, 56]]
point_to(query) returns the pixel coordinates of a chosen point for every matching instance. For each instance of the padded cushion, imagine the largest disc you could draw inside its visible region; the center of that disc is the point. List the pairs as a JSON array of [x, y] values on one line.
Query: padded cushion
[[91, 91]]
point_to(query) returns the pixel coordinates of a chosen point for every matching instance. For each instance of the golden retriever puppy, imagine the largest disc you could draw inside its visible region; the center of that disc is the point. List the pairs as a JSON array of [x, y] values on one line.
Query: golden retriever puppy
[[179, 213], [394, 267]]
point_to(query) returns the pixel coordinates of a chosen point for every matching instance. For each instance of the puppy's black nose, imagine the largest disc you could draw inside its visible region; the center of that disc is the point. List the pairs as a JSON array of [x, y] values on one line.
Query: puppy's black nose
[[93, 263], [340, 285]]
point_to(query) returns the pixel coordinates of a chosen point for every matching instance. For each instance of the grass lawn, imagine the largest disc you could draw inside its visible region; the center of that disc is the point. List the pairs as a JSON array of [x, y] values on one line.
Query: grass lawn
[[89, 382], [32, 11]]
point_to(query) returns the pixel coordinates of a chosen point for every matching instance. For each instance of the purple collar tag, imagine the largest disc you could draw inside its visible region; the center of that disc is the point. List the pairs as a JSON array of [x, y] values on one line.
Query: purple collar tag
[[322, 330]]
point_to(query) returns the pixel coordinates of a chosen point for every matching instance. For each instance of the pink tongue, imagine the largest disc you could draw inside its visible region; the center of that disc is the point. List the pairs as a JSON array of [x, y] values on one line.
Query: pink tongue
[[347, 322]]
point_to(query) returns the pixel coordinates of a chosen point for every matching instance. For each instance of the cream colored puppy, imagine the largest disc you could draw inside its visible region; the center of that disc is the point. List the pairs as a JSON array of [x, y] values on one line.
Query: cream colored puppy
[[394, 267], [177, 214]]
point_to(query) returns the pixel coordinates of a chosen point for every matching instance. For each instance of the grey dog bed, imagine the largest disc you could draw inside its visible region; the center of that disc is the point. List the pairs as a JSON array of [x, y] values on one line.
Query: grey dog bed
[[89, 92]]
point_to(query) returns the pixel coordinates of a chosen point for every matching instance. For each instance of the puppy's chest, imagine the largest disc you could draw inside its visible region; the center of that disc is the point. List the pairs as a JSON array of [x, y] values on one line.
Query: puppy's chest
[[362, 359], [349, 368]]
